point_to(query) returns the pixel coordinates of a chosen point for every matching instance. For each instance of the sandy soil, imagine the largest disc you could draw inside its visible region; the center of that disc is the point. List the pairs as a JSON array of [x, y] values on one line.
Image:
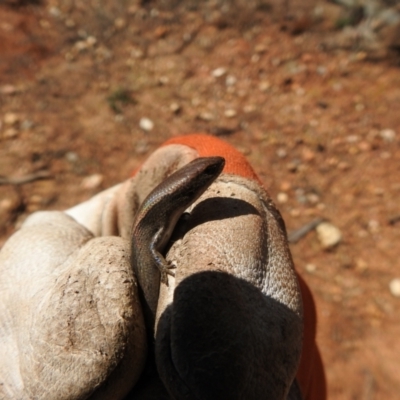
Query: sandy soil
[[321, 128]]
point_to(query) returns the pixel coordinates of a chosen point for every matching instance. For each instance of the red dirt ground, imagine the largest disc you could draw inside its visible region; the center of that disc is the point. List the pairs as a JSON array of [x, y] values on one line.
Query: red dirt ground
[[77, 77]]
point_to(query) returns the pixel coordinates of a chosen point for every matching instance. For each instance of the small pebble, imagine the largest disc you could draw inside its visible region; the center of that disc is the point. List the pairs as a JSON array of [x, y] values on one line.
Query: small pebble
[[378, 191], [264, 86], [92, 181], [292, 166], [394, 287], [359, 107], [119, 23], [275, 62], [146, 124], [26, 124], [230, 80], [373, 226], [388, 135], [332, 161], [281, 152], [230, 113], [175, 108], [249, 108], [72, 157], [362, 233], [343, 165], [44, 24], [321, 70], [260, 48], [310, 268], [364, 146], [6, 205], [285, 186], [218, 72], [282, 198], [313, 198], [81, 45], [385, 155], [136, 53], [164, 80], [69, 23], [328, 234], [307, 154], [8, 89], [54, 11], [361, 265], [91, 41], [301, 196], [10, 133], [206, 116], [352, 138], [11, 118]]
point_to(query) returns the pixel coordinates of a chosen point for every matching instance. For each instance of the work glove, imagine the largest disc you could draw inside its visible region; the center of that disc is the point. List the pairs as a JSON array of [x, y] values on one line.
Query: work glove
[[229, 324]]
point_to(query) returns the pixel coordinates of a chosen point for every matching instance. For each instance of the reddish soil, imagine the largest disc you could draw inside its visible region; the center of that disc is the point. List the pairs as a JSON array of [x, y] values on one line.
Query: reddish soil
[[77, 77]]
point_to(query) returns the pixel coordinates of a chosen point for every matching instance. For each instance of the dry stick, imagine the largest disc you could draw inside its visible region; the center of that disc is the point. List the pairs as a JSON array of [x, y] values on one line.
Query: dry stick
[[393, 220], [21, 180], [296, 235]]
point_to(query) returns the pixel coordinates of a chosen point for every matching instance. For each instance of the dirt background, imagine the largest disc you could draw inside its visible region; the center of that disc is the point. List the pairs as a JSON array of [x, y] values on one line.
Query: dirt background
[[319, 123]]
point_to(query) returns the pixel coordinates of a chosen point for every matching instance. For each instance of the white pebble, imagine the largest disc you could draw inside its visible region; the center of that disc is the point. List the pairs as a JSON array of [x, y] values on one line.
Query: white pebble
[[175, 107], [264, 86], [137, 53], [295, 212], [328, 234], [8, 89], [282, 197], [218, 72], [206, 116], [10, 118], [312, 198], [230, 113], [91, 41], [281, 153], [230, 80], [6, 204], [352, 138], [92, 181], [311, 268], [388, 135], [54, 11], [72, 157], [146, 124], [394, 287], [373, 226]]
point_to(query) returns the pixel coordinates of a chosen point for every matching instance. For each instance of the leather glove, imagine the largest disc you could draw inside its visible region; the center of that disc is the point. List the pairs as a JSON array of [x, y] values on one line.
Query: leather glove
[[71, 319]]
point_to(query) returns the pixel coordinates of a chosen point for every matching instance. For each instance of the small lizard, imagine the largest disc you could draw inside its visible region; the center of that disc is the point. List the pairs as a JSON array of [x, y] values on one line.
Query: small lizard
[[156, 220]]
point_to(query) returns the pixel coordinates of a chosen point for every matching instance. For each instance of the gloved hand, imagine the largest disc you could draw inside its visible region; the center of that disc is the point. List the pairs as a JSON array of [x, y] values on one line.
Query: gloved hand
[[228, 324]]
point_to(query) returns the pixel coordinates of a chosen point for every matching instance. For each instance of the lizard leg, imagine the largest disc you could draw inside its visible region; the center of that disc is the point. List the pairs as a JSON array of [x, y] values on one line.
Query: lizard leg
[[165, 267]]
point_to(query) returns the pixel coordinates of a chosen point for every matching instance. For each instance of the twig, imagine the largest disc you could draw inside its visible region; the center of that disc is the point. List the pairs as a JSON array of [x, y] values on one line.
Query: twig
[[21, 180], [297, 234], [393, 220]]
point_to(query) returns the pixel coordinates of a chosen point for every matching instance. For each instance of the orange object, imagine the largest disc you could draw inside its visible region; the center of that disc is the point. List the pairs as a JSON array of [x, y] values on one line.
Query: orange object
[[310, 375], [209, 146]]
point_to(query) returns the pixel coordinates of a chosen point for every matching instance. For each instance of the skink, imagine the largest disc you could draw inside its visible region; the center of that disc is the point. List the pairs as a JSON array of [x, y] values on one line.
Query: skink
[[157, 217]]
